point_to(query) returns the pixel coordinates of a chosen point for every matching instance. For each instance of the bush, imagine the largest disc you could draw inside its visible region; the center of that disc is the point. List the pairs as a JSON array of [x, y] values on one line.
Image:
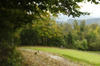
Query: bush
[[69, 38], [56, 41], [96, 44], [9, 56], [82, 45], [27, 37]]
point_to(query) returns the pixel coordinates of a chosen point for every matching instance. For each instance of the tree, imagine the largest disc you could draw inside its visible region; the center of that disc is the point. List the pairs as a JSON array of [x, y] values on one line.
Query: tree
[[48, 31], [41, 32], [94, 26], [82, 25], [82, 45], [76, 25], [69, 40], [96, 44], [67, 27]]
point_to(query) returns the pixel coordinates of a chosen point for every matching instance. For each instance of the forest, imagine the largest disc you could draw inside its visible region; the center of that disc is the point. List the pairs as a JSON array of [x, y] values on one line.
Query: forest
[[49, 33]]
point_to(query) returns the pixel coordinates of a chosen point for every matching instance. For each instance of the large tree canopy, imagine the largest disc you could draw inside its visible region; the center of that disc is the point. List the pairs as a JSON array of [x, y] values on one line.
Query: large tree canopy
[[18, 12], [14, 13], [68, 7]]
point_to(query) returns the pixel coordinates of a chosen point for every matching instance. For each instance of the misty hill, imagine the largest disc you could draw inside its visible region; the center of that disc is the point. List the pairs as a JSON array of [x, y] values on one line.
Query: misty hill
[[88, 21]]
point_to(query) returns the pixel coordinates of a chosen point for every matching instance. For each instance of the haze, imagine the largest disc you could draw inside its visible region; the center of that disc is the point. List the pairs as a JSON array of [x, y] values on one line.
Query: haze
[[85, 7]]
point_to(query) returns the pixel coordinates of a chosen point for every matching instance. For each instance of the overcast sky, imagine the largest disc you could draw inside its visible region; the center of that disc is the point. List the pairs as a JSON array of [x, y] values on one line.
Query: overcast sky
[[86, 7], [92, 8]]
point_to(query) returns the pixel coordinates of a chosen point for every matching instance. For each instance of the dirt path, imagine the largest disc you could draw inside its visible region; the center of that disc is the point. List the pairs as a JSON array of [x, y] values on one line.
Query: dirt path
[[40, 58]]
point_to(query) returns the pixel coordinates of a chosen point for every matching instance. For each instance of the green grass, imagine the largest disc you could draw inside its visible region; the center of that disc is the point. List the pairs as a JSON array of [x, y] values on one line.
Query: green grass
[[75, 55]]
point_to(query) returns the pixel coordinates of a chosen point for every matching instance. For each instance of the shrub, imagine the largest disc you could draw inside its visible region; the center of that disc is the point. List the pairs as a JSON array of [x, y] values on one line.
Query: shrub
[[82, 45], [27, 37], [9, 56], [96, 44]]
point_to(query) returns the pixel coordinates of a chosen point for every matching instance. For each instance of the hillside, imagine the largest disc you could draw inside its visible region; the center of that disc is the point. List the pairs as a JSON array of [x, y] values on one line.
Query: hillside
[[47, 56], [39, 58], [88, 21]]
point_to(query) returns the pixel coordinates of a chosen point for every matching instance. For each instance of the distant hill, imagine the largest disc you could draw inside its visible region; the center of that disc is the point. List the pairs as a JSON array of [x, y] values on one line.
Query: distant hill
[[88, 21]]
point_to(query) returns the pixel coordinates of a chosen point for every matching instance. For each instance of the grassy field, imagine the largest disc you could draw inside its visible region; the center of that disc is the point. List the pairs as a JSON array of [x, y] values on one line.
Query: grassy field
[[74, 55]]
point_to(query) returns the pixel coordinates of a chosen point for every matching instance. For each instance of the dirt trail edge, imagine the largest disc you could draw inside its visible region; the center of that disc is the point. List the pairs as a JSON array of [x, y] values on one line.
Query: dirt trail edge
[[40, 58]]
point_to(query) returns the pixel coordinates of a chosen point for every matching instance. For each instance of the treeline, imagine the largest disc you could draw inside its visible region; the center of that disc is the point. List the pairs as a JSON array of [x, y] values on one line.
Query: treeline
[[44, 32], [47, 32]]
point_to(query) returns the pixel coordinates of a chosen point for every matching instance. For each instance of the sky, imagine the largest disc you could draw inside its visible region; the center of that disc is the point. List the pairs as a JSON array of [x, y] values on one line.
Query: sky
[[85, 7], [91, 8]]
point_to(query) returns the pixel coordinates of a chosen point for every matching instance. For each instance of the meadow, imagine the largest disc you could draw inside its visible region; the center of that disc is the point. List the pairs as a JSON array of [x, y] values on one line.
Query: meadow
[[88, 57]]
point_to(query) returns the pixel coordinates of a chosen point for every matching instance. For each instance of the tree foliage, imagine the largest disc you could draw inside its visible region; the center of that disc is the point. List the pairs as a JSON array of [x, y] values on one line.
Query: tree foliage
[[43, 32]]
